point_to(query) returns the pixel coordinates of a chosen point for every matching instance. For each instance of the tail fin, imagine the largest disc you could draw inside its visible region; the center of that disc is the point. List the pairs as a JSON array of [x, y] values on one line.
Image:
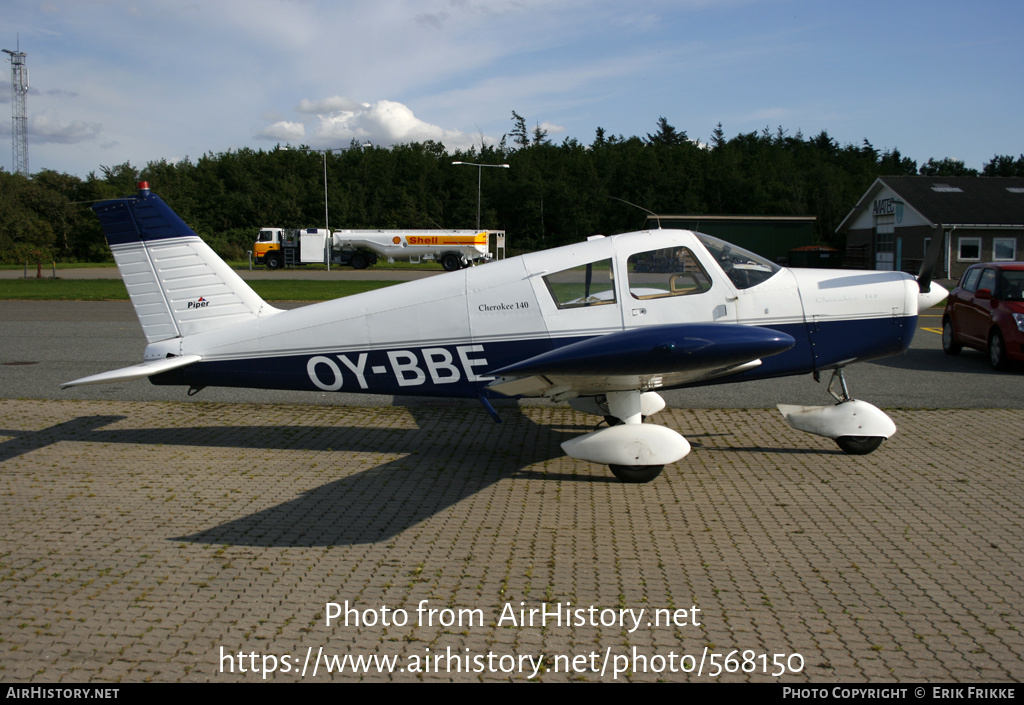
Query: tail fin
[[178, 285]]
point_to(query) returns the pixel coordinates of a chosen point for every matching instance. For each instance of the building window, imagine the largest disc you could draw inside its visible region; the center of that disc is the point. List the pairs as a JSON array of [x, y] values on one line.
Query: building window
[[969, 249], [1004, 249]]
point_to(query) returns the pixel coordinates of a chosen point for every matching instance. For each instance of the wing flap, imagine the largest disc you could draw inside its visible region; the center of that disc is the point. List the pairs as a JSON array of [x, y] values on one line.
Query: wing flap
[[146, 369]]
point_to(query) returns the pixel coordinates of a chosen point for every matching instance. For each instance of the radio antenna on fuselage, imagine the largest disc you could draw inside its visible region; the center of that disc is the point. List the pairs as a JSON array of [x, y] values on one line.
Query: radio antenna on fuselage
[[649, 212]]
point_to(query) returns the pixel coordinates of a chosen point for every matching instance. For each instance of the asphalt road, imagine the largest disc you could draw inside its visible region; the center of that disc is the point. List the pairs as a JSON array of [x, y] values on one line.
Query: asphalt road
[[47, 343]]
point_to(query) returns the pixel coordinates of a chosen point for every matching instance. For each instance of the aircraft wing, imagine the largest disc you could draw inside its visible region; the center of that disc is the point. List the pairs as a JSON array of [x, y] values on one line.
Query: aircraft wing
[[641, 358], [146, 369]]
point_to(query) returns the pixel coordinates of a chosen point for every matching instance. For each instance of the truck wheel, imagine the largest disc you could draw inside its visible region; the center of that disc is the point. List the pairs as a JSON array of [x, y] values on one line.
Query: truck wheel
[[274, 261], [359, 261], [451, 262]]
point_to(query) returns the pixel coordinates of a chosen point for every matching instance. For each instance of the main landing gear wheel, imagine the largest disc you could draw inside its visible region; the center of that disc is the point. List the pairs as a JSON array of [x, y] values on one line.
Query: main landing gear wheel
[[859, 445], [636, 473]]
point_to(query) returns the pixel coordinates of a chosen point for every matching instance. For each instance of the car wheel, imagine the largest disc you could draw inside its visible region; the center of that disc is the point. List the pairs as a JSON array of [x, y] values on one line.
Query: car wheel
[[359, 261], [274, 261], [949, 344], [451, 262], [997, 351], [636, 473]]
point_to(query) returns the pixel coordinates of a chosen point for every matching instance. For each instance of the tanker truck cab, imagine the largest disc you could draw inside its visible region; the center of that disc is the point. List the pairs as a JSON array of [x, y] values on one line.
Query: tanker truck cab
[[267, 248]]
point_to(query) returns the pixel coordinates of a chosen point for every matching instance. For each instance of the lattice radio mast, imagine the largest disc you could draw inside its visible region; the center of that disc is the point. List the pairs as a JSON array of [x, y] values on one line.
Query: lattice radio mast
[[19, 110]]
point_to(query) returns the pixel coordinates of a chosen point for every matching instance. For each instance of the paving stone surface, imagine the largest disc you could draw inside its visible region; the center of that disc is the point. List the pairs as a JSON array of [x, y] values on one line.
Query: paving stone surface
[[204, 542]]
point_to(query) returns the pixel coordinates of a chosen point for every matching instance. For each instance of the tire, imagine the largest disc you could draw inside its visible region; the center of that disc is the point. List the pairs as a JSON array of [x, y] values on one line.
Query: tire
[[451, 262], [949, 344], [635, 474], [274, 261], [359, 261], [859, 445], [997, 351]]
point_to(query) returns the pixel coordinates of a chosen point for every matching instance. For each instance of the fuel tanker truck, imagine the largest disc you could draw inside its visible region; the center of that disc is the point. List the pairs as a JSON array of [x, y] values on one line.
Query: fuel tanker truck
[[453, 249]]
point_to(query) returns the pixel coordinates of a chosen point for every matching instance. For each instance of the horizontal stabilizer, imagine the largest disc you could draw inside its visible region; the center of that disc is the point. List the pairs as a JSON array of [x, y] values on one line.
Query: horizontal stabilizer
[[146, 369]]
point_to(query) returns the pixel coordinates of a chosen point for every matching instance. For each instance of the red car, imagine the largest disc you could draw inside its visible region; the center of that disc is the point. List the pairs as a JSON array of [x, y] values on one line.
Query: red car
[[986, 312]]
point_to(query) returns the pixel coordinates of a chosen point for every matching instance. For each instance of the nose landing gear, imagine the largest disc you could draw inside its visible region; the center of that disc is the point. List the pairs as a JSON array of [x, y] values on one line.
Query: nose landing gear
[[857, 427]]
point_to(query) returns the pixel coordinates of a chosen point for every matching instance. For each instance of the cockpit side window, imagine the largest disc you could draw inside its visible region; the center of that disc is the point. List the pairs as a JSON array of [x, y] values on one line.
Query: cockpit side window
[[590, 284], [672, 271], [744, 268]]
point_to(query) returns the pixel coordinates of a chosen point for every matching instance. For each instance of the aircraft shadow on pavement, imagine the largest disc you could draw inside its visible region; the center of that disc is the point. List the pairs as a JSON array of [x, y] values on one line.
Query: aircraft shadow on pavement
[[439, 466]]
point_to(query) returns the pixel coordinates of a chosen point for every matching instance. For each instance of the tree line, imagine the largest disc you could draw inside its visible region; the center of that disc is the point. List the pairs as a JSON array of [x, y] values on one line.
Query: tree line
[[552, 194]]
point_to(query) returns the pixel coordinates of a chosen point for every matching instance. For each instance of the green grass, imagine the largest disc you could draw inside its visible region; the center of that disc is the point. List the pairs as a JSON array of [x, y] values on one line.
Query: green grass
[[113, 289]]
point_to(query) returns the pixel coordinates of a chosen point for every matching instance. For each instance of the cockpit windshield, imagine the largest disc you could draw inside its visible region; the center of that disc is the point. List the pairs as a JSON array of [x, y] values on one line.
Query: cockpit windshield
[[744, 268]]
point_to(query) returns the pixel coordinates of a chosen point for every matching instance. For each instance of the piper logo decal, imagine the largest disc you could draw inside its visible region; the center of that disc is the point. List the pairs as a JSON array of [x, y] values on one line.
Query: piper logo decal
[[199, 303]]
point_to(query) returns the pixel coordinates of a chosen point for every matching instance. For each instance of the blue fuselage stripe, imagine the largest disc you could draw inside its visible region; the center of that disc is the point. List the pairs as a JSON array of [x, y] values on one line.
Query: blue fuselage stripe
[[461, 370]]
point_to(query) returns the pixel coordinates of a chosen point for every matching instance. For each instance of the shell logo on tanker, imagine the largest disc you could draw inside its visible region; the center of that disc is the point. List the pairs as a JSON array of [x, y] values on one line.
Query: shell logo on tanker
[[422, 240], [396, 239]]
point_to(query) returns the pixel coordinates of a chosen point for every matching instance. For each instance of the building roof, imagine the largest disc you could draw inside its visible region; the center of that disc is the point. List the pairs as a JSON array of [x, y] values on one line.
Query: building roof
[[953, 200]]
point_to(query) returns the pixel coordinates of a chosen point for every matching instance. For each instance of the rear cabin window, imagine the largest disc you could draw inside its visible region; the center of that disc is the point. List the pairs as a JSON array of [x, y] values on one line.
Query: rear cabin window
[[672, 271], [590, 284]]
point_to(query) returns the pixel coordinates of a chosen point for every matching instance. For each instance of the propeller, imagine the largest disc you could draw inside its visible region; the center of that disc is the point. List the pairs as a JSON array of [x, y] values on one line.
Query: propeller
[[930, 293]]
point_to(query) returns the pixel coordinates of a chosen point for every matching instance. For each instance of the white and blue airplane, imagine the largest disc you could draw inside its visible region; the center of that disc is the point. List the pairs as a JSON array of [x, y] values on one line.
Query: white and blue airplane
[[600, 324]]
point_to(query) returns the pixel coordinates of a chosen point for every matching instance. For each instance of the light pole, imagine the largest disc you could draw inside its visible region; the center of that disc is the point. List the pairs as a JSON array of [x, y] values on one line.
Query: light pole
[[479, 173], [323, 153]]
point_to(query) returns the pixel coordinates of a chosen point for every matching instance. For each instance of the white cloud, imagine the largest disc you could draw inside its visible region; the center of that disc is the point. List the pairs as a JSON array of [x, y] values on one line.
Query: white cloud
[[283, 131], [340, 120], [45, 127]]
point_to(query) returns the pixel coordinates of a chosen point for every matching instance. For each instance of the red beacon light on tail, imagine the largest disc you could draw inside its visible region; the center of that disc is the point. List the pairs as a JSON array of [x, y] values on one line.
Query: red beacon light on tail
[[143, 188]]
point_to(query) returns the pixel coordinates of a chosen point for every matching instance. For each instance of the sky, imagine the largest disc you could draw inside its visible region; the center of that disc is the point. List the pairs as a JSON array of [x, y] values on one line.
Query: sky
[[114, 81]]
